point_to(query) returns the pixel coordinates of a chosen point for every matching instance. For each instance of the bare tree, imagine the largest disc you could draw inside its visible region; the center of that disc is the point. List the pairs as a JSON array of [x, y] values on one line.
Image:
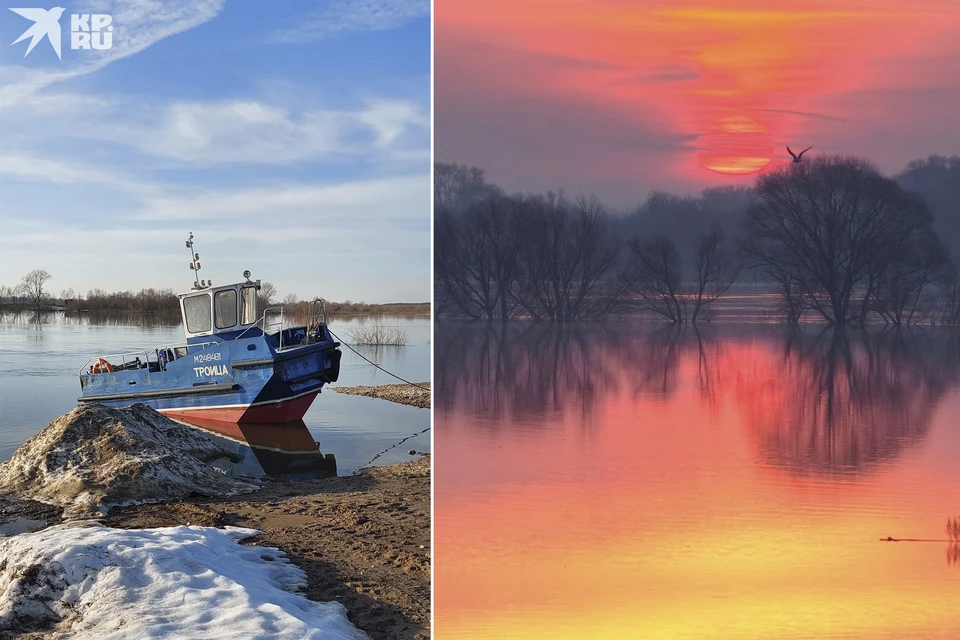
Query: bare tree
[[457, 186], [33, 288], [656, 277], [949, 308], [567, 260], [266, 296], [476, 256], [830, 227], [716, 271], [447, 267], [902, 282]]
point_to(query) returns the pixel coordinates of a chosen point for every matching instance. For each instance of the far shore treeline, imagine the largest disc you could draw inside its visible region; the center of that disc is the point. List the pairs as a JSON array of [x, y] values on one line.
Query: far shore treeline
[[33, 295], [830, 236]]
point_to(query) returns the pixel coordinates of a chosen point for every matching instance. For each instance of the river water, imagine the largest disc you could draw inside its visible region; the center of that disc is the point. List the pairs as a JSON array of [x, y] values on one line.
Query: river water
[[40, 365], [639, 481]]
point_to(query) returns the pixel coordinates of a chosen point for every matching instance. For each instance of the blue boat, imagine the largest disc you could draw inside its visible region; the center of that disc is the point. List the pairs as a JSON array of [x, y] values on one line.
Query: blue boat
[[237, 363]]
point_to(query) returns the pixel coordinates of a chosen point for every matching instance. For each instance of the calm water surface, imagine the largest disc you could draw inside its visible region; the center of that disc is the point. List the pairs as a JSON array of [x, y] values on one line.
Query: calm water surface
[[649, 482], [40, 364]]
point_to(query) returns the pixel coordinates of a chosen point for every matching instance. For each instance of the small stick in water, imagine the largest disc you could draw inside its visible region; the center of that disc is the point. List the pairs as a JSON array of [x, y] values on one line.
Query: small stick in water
[[953, 534]]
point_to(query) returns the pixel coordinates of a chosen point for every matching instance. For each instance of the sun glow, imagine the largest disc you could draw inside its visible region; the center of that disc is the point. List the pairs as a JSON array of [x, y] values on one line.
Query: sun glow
[[735, 146]]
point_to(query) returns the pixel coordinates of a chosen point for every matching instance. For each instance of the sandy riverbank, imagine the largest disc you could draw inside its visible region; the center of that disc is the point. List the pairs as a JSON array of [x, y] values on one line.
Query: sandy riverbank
[[360, 540], [363, 540], [408, 394]]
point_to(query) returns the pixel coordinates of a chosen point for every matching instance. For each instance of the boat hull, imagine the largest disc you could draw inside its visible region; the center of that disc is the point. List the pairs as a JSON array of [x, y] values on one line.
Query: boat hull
[[223, 382], [270, 411]]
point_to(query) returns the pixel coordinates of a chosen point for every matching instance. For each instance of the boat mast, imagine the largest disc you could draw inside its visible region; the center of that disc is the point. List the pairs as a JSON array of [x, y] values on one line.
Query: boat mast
[[194, 262]]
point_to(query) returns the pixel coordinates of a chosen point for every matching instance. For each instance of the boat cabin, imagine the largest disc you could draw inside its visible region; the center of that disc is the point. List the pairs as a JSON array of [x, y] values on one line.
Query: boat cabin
[[215, 311]]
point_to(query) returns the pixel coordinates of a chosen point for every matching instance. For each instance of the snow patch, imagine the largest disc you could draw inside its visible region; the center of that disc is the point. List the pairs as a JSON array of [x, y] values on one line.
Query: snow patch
[[176, 582], [95, 457]]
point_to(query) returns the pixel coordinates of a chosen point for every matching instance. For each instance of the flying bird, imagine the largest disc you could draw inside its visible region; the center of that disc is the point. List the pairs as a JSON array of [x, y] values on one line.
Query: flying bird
[[797, 156], [45, 23]]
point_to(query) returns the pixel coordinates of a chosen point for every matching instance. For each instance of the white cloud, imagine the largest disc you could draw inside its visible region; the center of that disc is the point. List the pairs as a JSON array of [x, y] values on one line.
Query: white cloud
[[138, 24], [344, 205], [27, 167], [390, 119], [225, 132], [352, 16], [252, 132]]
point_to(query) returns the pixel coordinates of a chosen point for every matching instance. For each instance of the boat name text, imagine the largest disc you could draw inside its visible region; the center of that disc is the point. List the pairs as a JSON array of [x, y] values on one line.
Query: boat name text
[[216, 370]]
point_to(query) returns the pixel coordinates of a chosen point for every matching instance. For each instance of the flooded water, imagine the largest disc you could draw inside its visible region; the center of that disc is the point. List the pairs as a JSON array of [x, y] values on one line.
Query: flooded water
[[40, 365], [733, 482]]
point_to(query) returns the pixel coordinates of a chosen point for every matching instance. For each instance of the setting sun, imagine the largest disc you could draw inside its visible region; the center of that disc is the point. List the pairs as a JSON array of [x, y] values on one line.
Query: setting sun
[[735, 146]]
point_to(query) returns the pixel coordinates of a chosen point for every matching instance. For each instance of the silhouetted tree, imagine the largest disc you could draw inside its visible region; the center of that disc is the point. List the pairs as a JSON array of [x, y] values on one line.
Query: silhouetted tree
[[476, 256], [833, 227], [925, 262], [567, 259], [716, 271], [457, 186], [656, 276]]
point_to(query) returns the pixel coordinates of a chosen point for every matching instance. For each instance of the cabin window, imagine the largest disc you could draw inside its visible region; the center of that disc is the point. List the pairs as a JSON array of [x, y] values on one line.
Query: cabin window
[[196, 312], [225, 308], [248, 300]]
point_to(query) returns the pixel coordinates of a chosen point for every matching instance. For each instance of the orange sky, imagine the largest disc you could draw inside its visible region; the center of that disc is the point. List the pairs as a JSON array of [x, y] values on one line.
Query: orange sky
[[619, 98]]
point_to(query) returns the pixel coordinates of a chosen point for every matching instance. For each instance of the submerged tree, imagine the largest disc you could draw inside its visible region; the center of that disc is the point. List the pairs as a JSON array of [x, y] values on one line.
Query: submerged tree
[[925, 262], [655, 276], [33, 287], [541, 257], [567, 259], [476, 257], [834, 234]]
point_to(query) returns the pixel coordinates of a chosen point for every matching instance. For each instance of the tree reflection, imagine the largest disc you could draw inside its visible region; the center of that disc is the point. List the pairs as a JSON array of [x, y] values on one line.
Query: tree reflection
[[842, 401], [953, 554], [812, 401], [528, 373]]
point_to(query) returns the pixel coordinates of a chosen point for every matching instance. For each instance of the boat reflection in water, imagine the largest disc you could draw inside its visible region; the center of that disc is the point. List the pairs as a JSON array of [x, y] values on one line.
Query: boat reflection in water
[[285, 450]]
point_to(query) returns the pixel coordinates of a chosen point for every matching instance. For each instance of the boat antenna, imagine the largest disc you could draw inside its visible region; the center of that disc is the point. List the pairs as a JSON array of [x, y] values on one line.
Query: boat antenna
[[194, 262]]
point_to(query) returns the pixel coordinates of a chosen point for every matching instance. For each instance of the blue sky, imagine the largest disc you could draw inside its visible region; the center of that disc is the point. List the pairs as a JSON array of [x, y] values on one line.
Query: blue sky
[[291, 137]]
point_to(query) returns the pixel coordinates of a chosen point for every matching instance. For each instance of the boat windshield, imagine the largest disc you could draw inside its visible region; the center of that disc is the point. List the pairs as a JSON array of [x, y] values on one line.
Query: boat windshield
[[196, 313], [225, 308]]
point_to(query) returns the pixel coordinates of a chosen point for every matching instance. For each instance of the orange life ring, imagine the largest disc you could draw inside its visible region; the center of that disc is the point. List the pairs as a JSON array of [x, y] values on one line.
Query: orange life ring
[[100, 366]]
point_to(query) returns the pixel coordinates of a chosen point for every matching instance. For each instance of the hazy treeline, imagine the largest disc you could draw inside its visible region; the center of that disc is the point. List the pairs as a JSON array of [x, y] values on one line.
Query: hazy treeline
[[831, 236], [32, 295]]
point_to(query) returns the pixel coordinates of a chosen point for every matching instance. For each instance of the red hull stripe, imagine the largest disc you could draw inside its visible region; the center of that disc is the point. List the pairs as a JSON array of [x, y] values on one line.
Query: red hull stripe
[[273, 412]]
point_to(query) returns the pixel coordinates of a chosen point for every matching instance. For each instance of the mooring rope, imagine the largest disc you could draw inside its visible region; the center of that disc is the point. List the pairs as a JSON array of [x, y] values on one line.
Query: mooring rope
[[393, 446], [413, 384]]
